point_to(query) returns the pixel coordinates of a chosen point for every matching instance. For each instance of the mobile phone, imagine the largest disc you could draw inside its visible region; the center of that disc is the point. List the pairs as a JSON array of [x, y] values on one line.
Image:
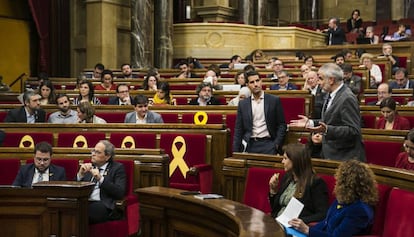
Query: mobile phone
[[190, 193]]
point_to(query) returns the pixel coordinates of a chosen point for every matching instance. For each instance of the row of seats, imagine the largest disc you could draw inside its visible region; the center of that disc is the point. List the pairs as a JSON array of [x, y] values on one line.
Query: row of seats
[[392, 212]]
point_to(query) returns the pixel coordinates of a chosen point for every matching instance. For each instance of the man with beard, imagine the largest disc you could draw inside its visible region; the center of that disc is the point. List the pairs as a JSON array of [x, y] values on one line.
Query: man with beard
[[260, 123], [65, 114], [30, 112], [205, 95], [127, 71]]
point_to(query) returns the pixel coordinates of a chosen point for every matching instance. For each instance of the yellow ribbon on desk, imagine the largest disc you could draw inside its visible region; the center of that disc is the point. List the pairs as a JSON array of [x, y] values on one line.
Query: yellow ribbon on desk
[[197, 118], [26, 138], [80, 138], [178, 157], [128, 139]]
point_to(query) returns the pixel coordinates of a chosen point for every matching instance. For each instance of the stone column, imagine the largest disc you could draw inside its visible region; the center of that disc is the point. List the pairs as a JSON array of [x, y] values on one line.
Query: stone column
[[215, 10], [246, 13], [261, 12], [163, 23], [142, 33]]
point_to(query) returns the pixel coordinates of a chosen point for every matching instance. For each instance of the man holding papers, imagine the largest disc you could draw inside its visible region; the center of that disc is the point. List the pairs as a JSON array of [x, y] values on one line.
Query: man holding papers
[[301, 183]]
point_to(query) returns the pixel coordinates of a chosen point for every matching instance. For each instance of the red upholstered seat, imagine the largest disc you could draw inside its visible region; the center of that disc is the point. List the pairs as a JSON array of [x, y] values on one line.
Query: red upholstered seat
[[133, 140], [212, 118], [79, 139], [8, 170], [29, 139], [183, 87], [257, 187], [3, 115], [112, 117], [181, 101], [369, 120], [380, 208], [330, 184], [170, 117], [130, 224], [71, 167], [399, 214], [188, 167], [382, 152], [292, 107]]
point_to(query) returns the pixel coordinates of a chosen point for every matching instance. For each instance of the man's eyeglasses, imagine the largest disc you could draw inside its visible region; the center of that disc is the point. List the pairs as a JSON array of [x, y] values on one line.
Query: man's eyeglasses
[[408, 147], [96, 151]]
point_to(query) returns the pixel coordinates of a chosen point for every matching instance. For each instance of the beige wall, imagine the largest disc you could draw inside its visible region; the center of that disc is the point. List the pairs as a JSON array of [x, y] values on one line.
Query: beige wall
[[14, 42]]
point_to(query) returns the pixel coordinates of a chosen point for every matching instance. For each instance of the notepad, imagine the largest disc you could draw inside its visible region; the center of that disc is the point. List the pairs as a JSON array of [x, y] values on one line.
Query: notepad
[[208, 196], [292, 210]]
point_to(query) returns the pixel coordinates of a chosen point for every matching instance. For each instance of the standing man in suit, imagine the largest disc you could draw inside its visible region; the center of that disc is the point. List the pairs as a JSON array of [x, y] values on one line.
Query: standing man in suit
[[260, 123], [30, 112], [142, 115], [110, 182], [340, 122], [122, 96], [336, 35], [40, 169]]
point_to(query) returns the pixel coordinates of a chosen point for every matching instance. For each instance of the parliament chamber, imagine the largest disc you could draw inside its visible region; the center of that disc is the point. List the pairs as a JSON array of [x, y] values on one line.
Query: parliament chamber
[[191, 152]]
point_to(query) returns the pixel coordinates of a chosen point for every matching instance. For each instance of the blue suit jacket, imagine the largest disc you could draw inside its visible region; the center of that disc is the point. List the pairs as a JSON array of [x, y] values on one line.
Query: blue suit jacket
[[152, 117], [345, 220], [25, 175], [394, 85], [275, 120]]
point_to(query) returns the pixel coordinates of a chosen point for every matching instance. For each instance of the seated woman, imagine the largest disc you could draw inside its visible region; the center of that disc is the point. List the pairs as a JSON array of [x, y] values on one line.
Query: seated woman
[[354, 23], [374, 69], [369, 34], [405, 160], [86, 113], [390, 119], [239, 79], [315, 145], [352, 212], [47, 93], [150, 82], [163, 95], [300, 182], [243, 94], [86, 93], [107, 82]]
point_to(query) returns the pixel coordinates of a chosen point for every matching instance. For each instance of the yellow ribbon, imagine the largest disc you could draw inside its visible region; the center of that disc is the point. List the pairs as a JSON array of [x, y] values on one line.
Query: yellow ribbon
[[128, 139], [197, 118], [26, 138], [178, 157], [80, 138]]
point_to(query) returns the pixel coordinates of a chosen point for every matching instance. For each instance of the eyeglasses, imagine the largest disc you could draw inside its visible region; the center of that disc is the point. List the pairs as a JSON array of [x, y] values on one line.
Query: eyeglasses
[[96, 151], [38, 159], [408, 147], [141, 106]]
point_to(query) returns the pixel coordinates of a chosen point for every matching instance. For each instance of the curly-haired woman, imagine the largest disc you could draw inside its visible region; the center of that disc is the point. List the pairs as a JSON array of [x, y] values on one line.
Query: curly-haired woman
[[352, 212]]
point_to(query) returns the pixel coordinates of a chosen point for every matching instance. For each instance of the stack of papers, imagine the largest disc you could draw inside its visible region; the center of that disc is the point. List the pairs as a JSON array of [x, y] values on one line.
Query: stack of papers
[[208, 196]]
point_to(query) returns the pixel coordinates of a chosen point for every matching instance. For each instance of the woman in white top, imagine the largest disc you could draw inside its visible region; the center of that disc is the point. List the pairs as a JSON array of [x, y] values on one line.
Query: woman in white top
[[375, 71], [243, 94]]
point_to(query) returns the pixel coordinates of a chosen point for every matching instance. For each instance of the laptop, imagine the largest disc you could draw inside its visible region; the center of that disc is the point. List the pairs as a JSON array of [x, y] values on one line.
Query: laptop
[[363, 41], [240, 66], [231, 87]]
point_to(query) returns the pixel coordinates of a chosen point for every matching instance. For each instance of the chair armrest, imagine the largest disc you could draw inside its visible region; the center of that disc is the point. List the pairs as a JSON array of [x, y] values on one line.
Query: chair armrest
[[196, 169]]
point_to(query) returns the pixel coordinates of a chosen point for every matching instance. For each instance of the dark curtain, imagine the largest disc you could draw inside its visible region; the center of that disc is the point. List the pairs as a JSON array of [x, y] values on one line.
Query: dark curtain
[[41, 14]]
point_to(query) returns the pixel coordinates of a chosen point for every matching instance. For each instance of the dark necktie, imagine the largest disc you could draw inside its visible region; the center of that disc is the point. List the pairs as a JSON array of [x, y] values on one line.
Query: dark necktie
[[325, 106]]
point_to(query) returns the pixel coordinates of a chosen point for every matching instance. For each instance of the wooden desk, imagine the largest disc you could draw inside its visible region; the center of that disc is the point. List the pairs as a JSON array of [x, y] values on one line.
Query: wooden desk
[[165, 212], [58, 208]]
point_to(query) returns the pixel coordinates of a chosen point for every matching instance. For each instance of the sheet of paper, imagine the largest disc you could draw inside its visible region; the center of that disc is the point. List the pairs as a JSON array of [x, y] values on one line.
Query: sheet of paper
[[291, 211]]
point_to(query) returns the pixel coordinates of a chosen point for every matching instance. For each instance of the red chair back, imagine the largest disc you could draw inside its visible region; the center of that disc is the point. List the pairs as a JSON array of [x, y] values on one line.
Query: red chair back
[[8, 170], [19, 139], [212, 118], [79, 139], [292, 107], [133, 140], [71, 167], [112, 117], [380, 208], [382, 152], [399, 214], [185, 151]]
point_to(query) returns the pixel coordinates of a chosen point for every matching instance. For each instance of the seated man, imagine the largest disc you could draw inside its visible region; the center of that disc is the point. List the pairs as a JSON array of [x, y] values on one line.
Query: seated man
[[127, 71], [185, 71], [122, 96], [235, 59], [283, 83], [142, 115], [212, 77], [65, 114], [383, 91], [97, 72], [29, 113], [350, 79], [205, 97], [401, 80], [277, 67], [110, 179], [40, 169]]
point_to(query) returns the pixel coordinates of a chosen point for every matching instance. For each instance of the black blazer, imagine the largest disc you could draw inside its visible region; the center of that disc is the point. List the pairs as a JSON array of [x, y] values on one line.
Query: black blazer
[[114, 185], [114, 100], [18, 115], [275, 120], [25, 175], [213, 101], [337, 36], [319, 99], [315, 199]]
